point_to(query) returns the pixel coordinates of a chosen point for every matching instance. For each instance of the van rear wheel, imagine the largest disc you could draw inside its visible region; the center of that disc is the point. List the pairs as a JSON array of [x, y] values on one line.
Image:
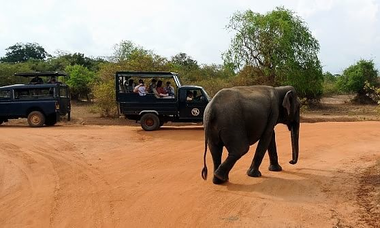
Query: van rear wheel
[[36, 119], [150, 122]]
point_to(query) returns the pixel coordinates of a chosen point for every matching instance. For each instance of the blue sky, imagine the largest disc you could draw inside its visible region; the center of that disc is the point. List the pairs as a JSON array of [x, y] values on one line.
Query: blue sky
[[347, 30]]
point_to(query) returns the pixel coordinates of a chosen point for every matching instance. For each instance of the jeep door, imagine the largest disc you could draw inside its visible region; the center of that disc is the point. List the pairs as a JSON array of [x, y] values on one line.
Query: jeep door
[[63, 96], [192, 108], [5, 100]]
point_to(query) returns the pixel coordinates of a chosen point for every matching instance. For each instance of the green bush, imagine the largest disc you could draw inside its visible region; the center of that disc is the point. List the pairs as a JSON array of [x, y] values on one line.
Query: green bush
[[105, 98]]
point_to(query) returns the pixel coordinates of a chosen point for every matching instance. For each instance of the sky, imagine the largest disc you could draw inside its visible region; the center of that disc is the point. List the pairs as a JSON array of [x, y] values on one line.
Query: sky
[[347, 30]]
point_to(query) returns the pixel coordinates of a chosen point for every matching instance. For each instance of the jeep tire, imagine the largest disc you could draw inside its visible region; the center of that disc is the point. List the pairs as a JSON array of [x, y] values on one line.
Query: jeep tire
[[36, 119], [150, 122]]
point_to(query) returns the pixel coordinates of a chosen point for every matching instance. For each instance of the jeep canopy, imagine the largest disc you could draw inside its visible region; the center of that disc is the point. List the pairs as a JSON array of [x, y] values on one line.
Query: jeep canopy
[[41, 74]]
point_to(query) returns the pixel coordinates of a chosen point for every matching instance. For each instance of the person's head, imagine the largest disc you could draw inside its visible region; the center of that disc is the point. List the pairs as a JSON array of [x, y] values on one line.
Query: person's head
[[141, 82], [189, 94], [159, 83], [154, 81], [130, 82], [168, 83]]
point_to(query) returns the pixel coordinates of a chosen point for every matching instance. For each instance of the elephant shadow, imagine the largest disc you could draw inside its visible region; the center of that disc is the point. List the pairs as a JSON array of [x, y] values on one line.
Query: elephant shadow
[[302, 185]]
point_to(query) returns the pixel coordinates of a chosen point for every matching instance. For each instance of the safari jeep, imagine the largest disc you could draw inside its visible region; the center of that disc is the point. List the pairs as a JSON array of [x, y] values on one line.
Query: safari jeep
[[153, 111], [41, 102]]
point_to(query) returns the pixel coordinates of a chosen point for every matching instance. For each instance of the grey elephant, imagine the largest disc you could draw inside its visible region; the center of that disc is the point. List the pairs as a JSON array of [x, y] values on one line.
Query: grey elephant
[[239, 117]]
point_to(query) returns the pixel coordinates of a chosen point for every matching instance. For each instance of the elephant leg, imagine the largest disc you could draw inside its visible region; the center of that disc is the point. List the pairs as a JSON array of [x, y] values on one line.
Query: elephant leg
[[272, 151], [216, 153], [234, 153], [262, 147]]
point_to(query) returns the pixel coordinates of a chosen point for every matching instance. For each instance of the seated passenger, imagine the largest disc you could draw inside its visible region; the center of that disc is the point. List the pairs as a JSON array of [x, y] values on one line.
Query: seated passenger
[[140, 88], [52, 80], [36, 80], [152, 86], [169, 89], [160, 90], [189, 96], [130, 86]]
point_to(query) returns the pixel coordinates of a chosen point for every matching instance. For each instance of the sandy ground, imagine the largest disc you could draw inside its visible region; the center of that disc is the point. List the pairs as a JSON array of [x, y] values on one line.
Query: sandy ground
[[121, 176]]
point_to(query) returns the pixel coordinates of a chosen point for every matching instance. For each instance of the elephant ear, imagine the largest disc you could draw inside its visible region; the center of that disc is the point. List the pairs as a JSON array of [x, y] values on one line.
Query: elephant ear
[[287, 102]]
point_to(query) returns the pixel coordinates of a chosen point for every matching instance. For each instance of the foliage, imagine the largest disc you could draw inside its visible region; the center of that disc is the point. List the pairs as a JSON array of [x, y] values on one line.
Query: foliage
[[182, 60], [372, 92], [279, 46], [330, 86], [62, 60], [80, 81], [7, 71], [213, 86], [354, 78], [20, 52], [127, 49], [106, 98]]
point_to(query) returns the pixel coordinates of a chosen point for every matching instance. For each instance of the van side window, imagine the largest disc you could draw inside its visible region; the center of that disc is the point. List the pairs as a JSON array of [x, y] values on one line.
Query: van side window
[[5, 94], [26, 94]]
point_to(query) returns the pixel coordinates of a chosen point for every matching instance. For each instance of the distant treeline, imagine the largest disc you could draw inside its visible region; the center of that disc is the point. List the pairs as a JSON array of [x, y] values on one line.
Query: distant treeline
[[274, 49]]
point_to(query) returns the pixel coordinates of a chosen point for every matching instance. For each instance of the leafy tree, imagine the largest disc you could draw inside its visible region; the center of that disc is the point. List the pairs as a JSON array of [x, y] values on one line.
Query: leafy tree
[[23, 52], [280, 46], [183, 60], [63, 60], [80, 81], [354, 78], [330, 84], [126, 49], [7, 71]]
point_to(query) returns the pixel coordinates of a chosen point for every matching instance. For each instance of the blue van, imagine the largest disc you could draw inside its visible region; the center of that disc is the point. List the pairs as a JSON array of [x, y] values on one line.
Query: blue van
[[42, 103]]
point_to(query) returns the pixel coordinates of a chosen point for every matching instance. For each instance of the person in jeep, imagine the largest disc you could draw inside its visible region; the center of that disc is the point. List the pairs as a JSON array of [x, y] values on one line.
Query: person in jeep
[[36, 80]]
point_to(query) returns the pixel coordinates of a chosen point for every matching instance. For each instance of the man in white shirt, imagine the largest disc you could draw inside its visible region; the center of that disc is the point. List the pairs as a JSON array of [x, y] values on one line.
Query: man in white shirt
[[140, 88]]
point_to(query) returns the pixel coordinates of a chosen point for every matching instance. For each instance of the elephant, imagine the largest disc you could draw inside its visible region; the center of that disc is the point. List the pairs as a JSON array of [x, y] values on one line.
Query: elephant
[[238, 117]]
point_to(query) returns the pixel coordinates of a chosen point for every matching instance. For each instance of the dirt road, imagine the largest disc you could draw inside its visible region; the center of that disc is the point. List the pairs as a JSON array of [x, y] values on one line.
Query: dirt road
[[121, 176]]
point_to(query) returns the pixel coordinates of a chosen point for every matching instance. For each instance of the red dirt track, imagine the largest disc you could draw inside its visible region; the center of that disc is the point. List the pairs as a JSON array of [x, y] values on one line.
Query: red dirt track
[[122, 176]]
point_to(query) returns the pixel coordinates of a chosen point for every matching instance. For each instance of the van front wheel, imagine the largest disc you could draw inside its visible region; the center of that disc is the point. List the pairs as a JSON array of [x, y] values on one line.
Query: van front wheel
[[150, 122]]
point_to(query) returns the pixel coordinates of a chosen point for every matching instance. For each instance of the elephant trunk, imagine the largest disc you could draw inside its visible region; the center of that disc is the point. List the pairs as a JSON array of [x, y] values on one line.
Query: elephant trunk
[[295, 131]]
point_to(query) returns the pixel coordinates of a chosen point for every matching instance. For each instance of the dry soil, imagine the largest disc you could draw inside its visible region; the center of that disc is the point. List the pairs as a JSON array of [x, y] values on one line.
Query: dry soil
[[74, 175]]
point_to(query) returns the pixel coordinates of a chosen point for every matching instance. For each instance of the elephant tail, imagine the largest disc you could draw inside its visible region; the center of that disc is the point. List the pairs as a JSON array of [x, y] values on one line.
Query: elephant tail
[[204, 170]]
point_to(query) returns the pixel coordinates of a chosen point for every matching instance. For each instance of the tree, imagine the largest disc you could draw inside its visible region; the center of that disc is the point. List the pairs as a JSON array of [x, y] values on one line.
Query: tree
[[280, 46], [125, 49], [80, 81], [330, 84], [7, 71], [63, 60], [356, 76], [183, 60], [23, 52]]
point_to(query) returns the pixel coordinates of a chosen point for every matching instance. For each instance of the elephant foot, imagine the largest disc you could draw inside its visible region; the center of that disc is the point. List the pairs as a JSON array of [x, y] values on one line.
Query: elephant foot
[[216, 180], [253, 173], [275, 168], [220, 177]]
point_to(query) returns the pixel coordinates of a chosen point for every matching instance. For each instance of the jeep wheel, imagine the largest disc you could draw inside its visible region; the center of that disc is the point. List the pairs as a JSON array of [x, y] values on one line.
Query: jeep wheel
[[36, 119], [150, 122], [51, 120]]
